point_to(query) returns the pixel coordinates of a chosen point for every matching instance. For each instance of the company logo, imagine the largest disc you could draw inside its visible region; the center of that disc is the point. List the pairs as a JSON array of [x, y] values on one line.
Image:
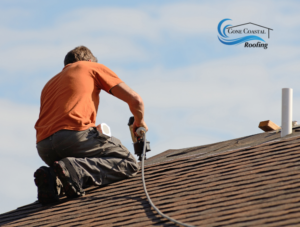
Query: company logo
[[243, 33]]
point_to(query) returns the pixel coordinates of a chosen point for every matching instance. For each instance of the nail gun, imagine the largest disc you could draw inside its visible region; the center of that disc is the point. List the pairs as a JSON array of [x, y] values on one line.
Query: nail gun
[[138, 142]]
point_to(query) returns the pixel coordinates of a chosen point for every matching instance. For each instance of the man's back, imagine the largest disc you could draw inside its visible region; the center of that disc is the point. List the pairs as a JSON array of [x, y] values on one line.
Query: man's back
[[70, 99]]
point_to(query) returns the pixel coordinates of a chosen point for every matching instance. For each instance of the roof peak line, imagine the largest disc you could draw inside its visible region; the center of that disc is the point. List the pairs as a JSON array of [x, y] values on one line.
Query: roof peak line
[[218, 153]]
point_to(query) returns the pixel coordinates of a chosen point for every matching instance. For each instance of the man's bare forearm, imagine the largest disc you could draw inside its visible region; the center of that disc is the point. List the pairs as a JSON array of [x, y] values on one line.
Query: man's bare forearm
[[134, 101], [136, 107]]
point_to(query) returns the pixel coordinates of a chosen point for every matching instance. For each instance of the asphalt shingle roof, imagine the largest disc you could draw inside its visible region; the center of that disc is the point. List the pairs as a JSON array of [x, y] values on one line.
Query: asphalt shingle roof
[[250, 181]]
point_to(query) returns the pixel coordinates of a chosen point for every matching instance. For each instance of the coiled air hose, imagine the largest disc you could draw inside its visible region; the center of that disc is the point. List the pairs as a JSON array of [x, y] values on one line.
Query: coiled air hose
[[142, 132]]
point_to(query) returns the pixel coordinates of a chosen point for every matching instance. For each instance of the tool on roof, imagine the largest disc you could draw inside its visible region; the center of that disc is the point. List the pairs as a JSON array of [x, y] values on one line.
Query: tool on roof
[[140, 149], [268, 126]]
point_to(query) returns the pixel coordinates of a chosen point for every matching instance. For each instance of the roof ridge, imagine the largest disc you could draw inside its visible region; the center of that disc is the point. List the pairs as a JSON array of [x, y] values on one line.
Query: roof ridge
[[214, 154]]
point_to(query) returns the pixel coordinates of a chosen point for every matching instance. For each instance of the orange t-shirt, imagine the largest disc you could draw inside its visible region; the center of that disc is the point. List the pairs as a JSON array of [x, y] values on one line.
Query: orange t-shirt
[[70, 99]]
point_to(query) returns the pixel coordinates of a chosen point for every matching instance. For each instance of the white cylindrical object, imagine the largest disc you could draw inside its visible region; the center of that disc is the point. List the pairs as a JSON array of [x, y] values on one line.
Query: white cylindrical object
[[104, 129], [287, 111]]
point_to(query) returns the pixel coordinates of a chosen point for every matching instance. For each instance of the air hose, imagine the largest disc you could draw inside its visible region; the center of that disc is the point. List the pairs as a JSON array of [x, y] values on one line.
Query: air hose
[[142, 132]]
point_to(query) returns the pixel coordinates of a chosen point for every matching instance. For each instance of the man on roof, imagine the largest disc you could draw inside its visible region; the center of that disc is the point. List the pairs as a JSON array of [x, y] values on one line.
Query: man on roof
[[67, 138]]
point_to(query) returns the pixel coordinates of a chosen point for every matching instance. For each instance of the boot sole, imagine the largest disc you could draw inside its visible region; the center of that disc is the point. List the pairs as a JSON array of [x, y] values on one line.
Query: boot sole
[[67, 182], [46, 191]]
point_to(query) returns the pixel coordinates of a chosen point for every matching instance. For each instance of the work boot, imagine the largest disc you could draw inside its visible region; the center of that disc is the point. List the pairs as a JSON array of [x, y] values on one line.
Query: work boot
[[45, 180], [67, 175]]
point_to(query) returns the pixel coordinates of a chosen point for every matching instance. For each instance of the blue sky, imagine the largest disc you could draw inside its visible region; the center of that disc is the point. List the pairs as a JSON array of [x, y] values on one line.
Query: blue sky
[[196, 90]]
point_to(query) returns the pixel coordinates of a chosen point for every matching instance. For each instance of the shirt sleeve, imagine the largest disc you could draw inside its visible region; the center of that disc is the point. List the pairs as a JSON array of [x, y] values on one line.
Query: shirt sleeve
[[106, 79]]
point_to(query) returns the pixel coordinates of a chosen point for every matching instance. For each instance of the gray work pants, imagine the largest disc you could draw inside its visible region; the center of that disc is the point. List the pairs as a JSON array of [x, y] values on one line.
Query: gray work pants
[[96, 159]]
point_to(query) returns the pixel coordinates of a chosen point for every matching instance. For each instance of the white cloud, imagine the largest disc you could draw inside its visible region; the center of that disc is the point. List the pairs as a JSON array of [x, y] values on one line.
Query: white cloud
[[121, 34], [18, 136], [19, 158]]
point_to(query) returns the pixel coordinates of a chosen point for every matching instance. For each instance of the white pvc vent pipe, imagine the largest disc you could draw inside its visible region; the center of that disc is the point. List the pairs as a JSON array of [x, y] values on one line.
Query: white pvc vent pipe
[[287, 111]]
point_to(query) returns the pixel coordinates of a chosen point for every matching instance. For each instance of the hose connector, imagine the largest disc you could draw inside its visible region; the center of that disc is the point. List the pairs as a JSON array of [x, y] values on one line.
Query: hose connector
[[141, 131]]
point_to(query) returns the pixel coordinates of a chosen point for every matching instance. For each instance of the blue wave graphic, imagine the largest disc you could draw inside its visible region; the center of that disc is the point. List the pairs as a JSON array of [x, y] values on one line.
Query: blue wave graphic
[[219, 26], [240, 40], [225, 39]]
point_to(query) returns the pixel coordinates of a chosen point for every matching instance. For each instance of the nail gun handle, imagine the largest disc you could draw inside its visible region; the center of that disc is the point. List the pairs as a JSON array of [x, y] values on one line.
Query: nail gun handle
[[130, 124]]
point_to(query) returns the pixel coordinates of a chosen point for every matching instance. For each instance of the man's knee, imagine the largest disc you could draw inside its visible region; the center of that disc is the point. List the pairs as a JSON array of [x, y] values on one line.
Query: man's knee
[[132, 168]]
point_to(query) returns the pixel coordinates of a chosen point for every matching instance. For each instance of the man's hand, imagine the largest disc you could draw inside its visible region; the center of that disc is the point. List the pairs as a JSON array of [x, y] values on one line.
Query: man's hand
[[134, 101]]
